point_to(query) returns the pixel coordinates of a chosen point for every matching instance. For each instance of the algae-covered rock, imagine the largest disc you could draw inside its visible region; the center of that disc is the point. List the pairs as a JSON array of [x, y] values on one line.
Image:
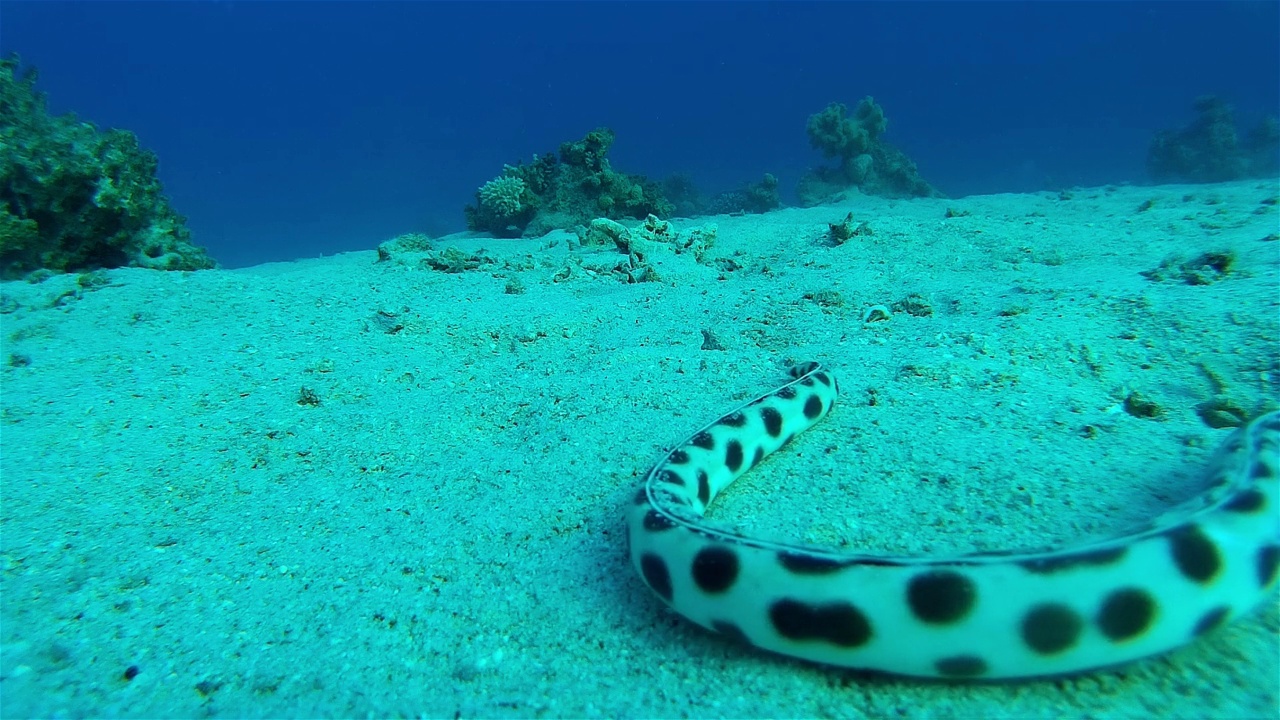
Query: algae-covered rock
[[73, 197], [560, 192]]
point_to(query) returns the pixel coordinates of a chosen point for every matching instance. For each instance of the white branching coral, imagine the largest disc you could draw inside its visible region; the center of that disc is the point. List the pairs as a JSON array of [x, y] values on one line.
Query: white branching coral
[[502, 196]]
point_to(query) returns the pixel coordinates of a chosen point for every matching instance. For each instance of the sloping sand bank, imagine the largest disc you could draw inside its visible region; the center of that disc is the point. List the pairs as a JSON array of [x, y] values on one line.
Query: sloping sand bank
[[343, 487]]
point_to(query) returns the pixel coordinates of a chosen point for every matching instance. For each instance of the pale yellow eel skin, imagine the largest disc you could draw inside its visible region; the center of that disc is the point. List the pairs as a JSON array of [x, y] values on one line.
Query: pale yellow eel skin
[[988, 615]]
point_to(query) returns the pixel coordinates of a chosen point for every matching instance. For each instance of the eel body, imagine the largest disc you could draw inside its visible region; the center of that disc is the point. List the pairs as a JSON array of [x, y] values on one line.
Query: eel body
[[985, 615]]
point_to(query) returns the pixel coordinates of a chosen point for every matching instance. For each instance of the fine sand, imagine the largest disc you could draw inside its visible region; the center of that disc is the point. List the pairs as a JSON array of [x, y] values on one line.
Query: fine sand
[[344, 487]]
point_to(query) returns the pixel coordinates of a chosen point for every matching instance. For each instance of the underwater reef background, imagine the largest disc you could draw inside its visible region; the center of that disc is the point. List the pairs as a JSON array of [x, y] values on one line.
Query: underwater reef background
[[336, 339], [288, 131]]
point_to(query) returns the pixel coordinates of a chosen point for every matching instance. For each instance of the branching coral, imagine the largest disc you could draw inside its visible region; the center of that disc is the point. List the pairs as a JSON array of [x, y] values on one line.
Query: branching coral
[[503, 196]]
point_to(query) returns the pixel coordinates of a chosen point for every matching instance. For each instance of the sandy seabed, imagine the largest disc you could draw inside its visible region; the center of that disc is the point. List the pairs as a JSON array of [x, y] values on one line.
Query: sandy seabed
[[345, 487]]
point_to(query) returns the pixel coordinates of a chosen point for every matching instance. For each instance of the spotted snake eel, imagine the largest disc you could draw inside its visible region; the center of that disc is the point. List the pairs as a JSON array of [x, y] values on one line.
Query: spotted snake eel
[[982, 615]]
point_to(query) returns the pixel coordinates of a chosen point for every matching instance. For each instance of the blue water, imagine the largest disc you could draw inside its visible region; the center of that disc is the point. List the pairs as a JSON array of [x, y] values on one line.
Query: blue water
[[288, 130]]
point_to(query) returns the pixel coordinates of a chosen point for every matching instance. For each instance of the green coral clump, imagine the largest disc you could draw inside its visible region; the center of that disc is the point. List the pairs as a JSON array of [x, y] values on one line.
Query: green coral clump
[[1208, 149], [865, 161], [752, 198], [839, 136], [74, 198], [561, 192]]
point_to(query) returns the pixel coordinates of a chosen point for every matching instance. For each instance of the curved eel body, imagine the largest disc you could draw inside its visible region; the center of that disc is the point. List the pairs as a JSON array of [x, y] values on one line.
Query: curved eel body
[[987, 615]]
